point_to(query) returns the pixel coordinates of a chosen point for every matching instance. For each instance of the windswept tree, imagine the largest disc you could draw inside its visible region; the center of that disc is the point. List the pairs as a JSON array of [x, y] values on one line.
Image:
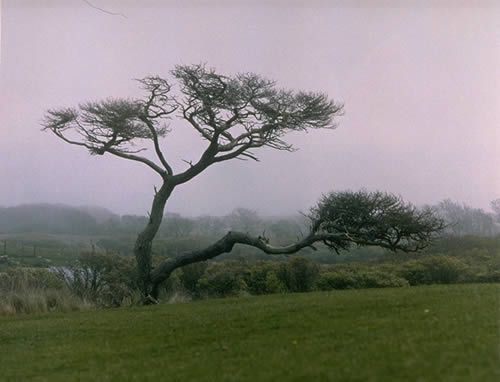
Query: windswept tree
[[235, 115]]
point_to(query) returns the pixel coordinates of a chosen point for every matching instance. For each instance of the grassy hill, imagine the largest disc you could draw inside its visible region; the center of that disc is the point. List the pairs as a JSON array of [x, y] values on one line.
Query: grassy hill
[[433, 333]]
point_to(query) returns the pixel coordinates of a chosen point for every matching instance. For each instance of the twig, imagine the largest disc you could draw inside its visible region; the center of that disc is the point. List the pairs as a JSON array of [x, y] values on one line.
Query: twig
[[103, 10], [190, 163]]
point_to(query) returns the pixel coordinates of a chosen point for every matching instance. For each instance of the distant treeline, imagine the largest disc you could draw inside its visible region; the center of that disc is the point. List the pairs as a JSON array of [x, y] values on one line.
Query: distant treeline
[[62, 219]]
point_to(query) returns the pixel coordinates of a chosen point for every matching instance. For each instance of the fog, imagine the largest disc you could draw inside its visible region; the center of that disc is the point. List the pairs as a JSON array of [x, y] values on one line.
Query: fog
[[420, 84]]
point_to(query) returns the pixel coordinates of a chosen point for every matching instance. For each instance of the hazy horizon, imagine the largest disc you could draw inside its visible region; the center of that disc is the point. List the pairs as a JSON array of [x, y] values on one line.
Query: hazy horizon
[[84, 207], [420, 84]]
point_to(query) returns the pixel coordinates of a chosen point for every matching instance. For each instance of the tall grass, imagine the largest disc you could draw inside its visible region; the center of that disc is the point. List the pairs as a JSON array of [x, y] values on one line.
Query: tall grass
[[30, 290]]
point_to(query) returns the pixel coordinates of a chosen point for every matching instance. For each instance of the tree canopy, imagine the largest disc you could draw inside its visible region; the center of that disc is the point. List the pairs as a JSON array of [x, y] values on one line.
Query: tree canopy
[[236, 115]]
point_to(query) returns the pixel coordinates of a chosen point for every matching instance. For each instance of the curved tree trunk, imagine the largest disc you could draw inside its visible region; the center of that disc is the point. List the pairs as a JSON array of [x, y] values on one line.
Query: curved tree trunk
[[144, 243], [225, 245]]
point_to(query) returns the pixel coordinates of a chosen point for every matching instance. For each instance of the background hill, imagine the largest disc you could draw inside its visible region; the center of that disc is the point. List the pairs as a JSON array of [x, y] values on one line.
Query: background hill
[[46, 218]]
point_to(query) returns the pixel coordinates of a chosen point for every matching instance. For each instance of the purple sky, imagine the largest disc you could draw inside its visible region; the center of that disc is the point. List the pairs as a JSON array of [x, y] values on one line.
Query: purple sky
[[420, 85]]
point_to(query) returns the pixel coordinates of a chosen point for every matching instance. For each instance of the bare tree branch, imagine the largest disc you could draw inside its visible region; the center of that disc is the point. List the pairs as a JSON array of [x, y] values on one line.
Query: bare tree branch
[[411, 241], [156, 144], [103, 10], [136, 158]]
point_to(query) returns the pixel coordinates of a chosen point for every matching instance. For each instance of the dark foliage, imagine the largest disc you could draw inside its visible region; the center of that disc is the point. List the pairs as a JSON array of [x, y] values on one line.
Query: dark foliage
[[373, 218]]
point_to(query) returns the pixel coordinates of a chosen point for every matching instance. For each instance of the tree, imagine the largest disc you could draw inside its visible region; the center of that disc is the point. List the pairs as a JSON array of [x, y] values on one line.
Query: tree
[[235, 115], [243, 219], [465, 220], [495, 206], [176, 225]]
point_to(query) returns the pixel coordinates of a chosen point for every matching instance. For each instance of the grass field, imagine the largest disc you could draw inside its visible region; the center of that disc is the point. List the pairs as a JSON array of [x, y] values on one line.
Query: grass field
[[436, 333]]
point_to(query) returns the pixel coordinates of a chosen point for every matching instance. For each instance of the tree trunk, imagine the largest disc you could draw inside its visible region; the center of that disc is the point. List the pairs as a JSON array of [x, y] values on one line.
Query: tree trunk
[[225, 245], [144, 243]]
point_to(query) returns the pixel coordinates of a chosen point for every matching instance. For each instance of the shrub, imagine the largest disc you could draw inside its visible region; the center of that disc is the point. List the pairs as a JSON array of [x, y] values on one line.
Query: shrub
[[172, 286], [222, 279], [487, 276], [189, 277], [484, 265], [435, 269], [380, 279], [298, 274], [107, 279], [273, 284], [354, 276], [336, 280], [262, 278]]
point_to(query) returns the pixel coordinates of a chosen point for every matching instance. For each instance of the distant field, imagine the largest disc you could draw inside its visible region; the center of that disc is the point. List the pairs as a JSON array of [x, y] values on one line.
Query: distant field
[[434, 333], [43, 250]]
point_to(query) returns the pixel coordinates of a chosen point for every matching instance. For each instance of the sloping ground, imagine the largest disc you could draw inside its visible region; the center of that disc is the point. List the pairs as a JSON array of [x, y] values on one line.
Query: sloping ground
[[436, 333]]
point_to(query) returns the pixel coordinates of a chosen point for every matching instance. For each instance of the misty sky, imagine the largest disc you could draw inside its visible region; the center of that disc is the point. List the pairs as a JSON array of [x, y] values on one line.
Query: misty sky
[[420, 85]]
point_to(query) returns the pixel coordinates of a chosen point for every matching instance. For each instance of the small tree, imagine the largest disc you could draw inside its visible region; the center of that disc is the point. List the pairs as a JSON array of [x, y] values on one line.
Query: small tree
[[235, 115], [495, 206]]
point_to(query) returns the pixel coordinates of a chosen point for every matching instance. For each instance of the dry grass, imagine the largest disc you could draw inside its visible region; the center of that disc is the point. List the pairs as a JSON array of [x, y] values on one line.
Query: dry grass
[[30, 291], [30, 301]]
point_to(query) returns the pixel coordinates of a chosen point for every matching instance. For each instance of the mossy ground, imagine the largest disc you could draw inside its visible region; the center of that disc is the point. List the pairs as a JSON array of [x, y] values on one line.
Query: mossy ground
[[434, 333]]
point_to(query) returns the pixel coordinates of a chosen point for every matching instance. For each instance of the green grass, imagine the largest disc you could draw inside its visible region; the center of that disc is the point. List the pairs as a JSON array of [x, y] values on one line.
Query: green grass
[[436, 333]]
